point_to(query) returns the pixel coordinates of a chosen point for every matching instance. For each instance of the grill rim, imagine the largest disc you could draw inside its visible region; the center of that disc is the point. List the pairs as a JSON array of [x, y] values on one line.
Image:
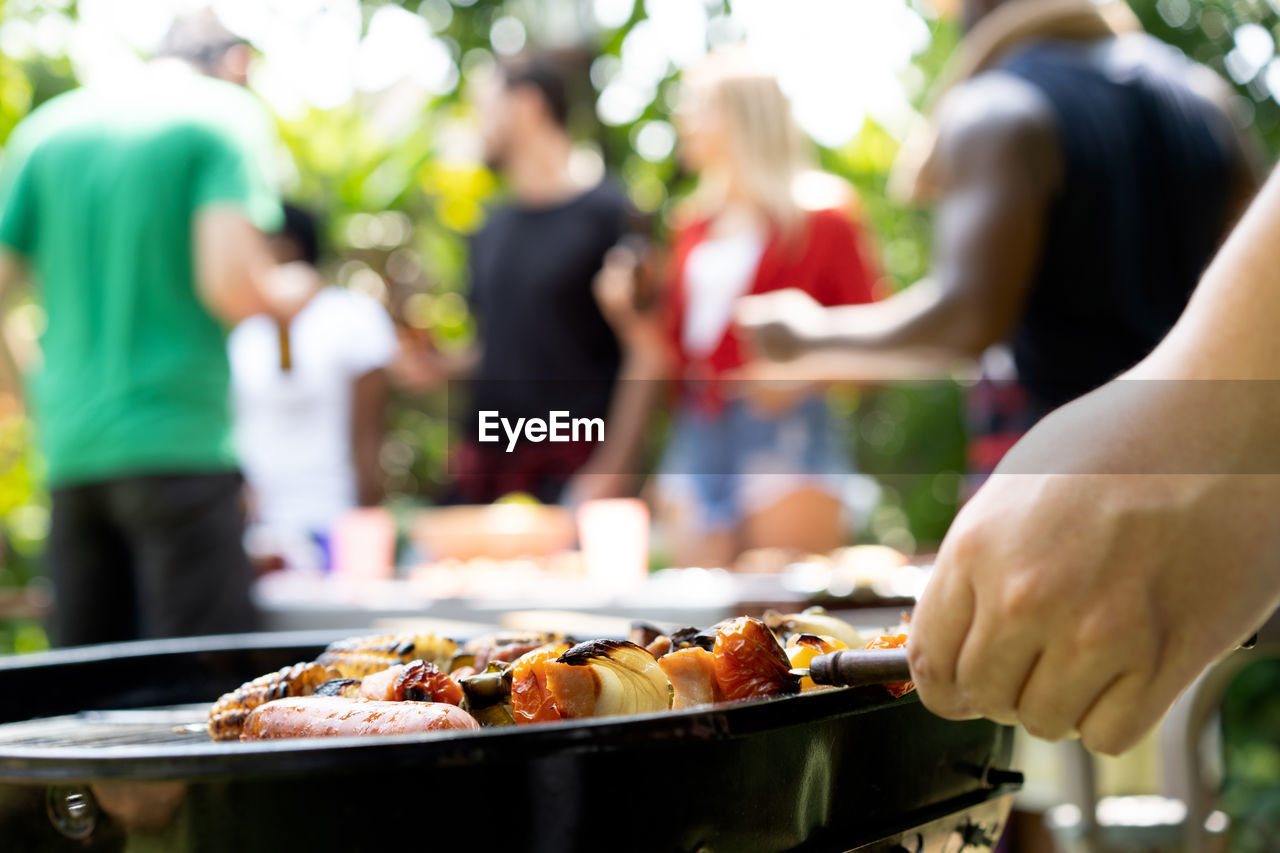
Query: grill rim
[[257, 759]]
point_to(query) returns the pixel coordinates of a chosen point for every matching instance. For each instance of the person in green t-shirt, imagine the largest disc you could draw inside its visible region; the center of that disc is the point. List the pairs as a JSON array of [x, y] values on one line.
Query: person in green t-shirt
[[137, 212]]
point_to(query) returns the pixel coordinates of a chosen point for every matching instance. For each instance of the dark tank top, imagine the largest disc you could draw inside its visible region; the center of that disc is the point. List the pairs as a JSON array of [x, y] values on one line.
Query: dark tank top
[[1143, 205]]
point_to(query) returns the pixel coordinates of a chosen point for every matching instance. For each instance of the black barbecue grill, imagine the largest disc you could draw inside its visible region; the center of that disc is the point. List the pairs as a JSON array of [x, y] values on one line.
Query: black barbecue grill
[[101, 748]]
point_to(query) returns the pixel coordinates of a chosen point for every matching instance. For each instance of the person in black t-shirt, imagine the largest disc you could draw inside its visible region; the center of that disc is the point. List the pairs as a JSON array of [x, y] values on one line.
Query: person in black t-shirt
[[1082, 175], [542, 343]]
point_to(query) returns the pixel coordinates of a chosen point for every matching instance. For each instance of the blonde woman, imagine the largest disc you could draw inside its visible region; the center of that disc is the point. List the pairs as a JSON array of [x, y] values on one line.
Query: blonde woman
[[737, 474]]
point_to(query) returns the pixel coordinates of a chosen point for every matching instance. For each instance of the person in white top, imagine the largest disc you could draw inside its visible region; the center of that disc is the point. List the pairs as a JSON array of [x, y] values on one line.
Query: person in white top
[[310, 402]]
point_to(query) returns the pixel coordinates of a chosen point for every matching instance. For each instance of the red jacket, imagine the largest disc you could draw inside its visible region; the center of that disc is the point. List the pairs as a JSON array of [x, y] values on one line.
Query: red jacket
[[829, 261]]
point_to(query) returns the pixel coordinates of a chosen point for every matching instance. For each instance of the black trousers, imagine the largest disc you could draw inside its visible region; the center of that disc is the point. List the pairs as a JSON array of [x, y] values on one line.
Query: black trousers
[[150, 556]]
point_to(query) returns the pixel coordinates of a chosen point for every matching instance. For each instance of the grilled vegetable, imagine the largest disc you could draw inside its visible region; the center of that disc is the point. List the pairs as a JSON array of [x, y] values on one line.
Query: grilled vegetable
[[813, 620], [507, 646], [462, 660], [487, 688], [494, 716], [802, 648], [228, 714], [356, 658], [487, 695], [417, 681], [658, 646], [332, 716], [348, 688], [750, 663], [692, 673], [600, 678], [531, 699], [644, 633], [686, 637], [893, 641], [623, 679]]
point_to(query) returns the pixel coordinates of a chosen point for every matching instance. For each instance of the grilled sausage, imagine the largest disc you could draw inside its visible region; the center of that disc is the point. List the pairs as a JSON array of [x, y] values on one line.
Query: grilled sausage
[[333, 716]]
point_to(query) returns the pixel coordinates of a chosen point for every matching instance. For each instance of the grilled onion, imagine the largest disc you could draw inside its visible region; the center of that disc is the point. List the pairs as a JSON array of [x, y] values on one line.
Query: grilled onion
[[813, 620], [627, 679]]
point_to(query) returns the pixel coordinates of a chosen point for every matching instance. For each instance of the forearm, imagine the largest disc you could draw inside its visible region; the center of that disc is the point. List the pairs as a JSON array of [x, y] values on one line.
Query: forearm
[[924, 316], [918, 333]]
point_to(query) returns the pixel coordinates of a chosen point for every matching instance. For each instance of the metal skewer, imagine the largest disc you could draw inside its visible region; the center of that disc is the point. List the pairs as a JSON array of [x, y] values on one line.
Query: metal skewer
[[858, 667]]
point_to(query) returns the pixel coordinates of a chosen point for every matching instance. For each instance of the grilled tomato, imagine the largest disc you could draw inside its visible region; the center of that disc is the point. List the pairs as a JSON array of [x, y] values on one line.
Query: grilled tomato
[[531, 698], [803, 648], [749, 663], [893, 641]]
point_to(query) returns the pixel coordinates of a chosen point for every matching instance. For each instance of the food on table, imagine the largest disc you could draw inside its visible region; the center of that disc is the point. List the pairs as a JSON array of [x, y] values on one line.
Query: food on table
[[336, 716], [409, 683], [228, 714], [750, 662], [893, 641], [692, 673], [803, 648]]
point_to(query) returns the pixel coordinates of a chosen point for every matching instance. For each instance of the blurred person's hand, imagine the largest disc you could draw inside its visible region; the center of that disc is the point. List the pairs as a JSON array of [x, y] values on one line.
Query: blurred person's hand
[[782, 325], [1077, 597], [615, 288]]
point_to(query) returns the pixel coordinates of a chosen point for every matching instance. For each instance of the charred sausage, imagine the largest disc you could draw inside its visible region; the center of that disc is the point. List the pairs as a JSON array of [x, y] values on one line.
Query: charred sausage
[[335, 716]]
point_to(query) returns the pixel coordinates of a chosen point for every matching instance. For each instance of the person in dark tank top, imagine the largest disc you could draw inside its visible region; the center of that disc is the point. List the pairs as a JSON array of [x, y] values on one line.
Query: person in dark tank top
[[1082, 175]]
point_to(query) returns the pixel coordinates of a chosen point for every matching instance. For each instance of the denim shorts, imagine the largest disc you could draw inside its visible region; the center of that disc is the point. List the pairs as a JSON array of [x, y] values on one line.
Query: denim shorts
[[729, 462]]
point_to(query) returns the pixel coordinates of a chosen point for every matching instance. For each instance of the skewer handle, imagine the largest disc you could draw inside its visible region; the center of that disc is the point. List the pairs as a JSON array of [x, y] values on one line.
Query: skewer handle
[[857, 668]]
